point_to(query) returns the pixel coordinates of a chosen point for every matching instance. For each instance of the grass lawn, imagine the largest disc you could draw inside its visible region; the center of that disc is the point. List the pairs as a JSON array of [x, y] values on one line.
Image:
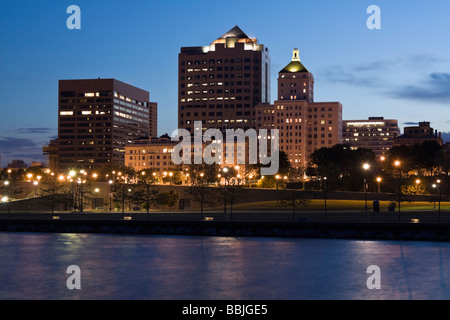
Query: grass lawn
[[341, 205]]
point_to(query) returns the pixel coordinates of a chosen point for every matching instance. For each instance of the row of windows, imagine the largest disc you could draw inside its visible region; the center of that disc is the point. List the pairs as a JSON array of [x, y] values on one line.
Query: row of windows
[[70, 94], [149, 157], [213, 61], [212, 91], [219, 83], [67, 119], [238, 98], [212, 114], [85, 100], [293, 143], [322, 109], [223, 76], [238, 68], [219, 121], [219, 106]]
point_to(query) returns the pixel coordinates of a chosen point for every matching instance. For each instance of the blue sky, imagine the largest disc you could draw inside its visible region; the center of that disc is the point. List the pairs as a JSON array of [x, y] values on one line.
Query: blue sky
[[401, 71]]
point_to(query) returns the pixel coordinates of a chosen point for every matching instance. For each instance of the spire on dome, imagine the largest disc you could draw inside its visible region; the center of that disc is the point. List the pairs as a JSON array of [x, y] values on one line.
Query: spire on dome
[[295, 65]]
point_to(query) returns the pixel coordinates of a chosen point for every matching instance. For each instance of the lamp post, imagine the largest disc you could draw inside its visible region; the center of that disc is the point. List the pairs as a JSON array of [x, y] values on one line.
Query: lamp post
[[110, 182], [397, 165], [71, 177], [440, 194], [325, 196], [35, 188], [170, 175], [417, 185], [202, 190], [379, 184], [366, 167], [8, 196], [225, 172], [277, 177]]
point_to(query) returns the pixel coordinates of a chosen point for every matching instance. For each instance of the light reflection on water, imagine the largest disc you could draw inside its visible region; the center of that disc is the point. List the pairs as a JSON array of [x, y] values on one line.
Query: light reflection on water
[[33, 266]]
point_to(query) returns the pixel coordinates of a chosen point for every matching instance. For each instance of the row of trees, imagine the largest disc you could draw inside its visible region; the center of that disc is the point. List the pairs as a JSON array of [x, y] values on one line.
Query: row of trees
[[77, 194], [418, 167]]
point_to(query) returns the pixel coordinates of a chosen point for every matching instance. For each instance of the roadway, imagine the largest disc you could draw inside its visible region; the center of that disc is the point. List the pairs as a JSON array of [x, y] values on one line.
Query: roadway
[[312, 216]]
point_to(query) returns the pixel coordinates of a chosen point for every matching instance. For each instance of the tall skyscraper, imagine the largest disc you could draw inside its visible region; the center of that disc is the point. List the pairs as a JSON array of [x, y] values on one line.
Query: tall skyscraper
[[221, 84], [304, 125], [97, 117]]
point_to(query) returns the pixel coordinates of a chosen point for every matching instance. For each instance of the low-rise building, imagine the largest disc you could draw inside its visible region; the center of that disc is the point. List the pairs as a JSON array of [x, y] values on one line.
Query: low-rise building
[[376, 133], [419, 134]]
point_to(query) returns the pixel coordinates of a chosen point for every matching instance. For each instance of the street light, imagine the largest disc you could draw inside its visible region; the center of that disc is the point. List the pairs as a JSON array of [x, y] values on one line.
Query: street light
[[397, 165], [110, 194], [379, 179], [325, 196], [225, 171], [170, 175], [8, 196], [277, 177], [440, 194], [366, 167], [35, 188]]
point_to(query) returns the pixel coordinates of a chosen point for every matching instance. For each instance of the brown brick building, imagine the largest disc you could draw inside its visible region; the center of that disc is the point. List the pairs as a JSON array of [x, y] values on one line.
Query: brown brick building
[[96, 118], [304, 125], [221, 84]]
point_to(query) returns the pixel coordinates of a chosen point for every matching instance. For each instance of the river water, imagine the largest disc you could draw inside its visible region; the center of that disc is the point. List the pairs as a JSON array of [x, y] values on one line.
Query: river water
[[34, 266]]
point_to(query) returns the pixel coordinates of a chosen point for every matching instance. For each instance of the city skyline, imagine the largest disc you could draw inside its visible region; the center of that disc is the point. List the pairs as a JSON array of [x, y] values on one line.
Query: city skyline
[[399, 72]]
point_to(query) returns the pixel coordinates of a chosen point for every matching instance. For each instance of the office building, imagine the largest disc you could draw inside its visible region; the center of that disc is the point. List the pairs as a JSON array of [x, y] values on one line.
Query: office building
[[96, 119], [221, 84], [304, 125], [376, 133], [419, 134]]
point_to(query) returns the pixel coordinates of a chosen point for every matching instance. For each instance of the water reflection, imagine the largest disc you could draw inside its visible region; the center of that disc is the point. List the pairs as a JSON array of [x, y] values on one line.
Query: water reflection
[[33, 266]]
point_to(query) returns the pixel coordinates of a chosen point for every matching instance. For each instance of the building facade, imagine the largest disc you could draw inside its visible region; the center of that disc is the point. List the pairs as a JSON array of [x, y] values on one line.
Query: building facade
[[419, 134], [304, 125], [221, 84], [154, 153], [376, 133], [96, 119]]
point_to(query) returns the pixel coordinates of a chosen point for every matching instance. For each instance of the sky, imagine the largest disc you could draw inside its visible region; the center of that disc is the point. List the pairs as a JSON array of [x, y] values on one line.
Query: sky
[[401, 71]]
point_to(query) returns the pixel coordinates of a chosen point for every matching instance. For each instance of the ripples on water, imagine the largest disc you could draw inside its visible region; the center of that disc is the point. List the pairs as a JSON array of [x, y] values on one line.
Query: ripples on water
[[33, 266]]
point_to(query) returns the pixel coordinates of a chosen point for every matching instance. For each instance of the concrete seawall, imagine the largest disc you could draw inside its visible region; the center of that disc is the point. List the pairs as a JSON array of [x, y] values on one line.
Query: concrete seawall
[[331, 230]]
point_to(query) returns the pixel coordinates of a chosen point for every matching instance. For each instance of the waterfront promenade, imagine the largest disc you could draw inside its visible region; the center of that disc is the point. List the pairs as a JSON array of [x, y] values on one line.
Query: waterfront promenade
[[422, 226]]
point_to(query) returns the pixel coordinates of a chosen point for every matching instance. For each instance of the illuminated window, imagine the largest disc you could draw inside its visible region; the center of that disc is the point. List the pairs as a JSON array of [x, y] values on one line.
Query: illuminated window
[[66, 113]]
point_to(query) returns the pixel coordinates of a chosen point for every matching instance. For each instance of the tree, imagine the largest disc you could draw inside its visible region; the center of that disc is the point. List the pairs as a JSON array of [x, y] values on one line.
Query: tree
[[200, 191], [169, 198], [297, 199], [121, 192], [429, 156], [8, 190], [342, 165], [145, 192], [206, 173], [54, 191]]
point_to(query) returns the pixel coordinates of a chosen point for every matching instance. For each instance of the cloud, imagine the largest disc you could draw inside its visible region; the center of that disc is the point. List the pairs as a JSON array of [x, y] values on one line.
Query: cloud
[[34, 130], [27, 149], [436, 88], [410, 123], [11, 143], [356, 76]]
